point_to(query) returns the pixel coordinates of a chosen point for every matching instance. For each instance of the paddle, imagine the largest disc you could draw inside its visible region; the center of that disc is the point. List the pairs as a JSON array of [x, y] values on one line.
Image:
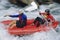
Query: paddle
[[53, 28]]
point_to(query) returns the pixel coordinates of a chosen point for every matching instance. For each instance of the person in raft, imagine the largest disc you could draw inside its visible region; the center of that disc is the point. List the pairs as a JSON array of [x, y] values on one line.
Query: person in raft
[[45, 19], [48, 17], [19, 23], [38, 21]]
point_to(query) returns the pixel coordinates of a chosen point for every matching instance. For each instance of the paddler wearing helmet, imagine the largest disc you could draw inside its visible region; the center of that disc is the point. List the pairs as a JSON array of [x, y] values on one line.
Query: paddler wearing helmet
[[21, 22], [47, 15]]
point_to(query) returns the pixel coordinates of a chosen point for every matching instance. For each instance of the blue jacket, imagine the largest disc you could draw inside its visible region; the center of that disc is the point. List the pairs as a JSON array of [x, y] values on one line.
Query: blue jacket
[[23, 16]]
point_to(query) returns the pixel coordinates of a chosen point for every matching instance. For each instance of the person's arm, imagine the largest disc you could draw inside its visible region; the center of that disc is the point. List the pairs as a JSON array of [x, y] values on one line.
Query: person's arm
[[13, 15], [41, 13]]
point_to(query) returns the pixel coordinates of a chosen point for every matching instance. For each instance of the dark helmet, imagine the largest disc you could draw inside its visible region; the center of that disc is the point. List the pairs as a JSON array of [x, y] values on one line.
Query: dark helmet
[[47, 10]]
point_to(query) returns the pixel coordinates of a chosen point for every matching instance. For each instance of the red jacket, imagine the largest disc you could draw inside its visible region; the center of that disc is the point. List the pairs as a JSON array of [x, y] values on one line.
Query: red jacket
[[48, 17], [51, 18]]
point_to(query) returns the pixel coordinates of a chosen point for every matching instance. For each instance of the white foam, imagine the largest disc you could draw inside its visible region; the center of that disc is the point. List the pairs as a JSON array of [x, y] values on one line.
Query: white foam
[[4, 35]]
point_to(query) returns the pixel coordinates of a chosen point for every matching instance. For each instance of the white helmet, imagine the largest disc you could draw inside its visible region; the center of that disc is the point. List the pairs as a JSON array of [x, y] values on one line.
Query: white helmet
[[20, 11]]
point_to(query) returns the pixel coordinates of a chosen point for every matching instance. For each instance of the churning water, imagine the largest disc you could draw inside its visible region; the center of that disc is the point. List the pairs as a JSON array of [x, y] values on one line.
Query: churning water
[[7, 8]]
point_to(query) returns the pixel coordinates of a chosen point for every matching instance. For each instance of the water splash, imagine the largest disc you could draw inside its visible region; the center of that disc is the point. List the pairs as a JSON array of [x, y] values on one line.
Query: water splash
[[4, 35]]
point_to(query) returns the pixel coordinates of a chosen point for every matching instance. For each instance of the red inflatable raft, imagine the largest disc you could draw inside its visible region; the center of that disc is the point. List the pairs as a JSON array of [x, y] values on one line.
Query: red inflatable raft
[[28, 29]]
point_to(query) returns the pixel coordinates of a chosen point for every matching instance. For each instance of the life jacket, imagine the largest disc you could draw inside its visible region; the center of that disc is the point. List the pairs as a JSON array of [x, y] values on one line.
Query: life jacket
[[20, 18], [50, 17]]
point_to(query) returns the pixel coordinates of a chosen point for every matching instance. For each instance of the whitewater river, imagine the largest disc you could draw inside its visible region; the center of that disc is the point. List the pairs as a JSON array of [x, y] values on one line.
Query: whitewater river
[[7, 8]]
